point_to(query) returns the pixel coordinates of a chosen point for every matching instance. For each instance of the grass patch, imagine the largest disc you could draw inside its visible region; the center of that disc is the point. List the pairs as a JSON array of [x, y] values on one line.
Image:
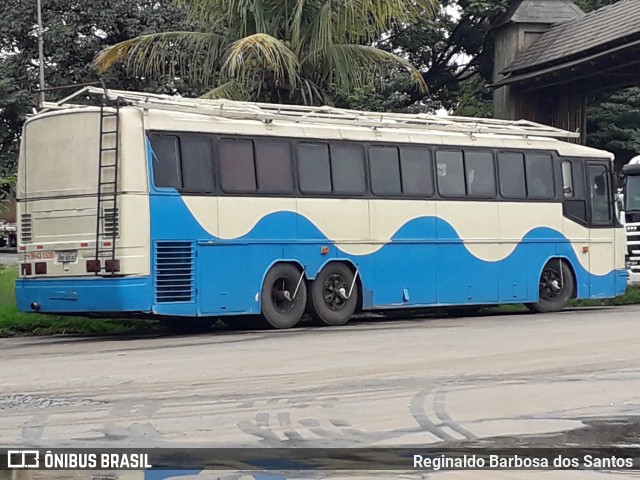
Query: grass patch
[[630, 297], [14, 322]]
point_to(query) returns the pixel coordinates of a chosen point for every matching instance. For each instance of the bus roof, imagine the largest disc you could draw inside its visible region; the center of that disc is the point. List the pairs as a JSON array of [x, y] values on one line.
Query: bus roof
[[176, 113]]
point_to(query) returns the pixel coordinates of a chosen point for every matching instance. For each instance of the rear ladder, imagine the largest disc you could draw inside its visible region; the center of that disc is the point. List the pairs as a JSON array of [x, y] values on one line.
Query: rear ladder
[[107, 222]]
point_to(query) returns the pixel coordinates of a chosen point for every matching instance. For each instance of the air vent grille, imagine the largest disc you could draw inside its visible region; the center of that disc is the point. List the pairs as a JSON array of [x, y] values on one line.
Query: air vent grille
[[174, 272], [110, 222], [26, 224]]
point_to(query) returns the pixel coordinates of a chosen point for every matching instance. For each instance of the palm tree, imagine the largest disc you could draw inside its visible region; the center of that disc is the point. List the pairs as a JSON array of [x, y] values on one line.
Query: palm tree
[[292, 51]]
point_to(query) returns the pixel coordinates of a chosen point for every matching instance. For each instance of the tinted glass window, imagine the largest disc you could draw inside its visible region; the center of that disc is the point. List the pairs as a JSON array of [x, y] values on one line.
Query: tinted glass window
[[450, 173], [567, 179], [385, 170], [511, 173], [273, 166], [539, 176], [237, 171], [314, 172], [481, 181], [415, 165], [197, 164], [347, 168], [599, 196], [166, 161]]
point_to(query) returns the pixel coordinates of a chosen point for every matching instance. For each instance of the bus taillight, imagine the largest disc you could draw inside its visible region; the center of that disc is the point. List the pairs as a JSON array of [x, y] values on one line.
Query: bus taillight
[[93, 266], [112, 266]]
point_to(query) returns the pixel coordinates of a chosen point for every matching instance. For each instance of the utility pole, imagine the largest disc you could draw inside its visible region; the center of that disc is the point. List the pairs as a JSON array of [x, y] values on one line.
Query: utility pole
[[40, 51]]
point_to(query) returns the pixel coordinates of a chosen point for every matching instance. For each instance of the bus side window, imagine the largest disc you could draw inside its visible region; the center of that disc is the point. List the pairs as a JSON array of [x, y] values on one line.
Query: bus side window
[[481, 182], [450, 173], [166, 161], [511, 173], [237, 167], [539, 172], [416, 169], [197, 164], [384, 164], [273, 166], [567, 179], [599, 196], [314, 171], [347, 168]]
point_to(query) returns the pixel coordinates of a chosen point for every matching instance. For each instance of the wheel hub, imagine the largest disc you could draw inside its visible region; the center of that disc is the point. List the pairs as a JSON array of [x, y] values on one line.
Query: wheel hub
[[335, 292]]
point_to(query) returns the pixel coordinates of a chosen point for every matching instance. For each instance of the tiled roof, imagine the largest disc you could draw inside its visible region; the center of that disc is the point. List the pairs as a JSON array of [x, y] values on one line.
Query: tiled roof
[[590, 33], [540, 11]]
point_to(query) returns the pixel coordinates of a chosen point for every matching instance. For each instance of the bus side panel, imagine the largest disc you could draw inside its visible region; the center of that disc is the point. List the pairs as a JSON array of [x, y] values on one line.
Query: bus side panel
[[401, 268], [469, 260], [471, 267]]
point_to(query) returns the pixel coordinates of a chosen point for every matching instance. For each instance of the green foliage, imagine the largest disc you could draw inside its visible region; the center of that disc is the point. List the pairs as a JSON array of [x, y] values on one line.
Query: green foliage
[[613, 124], [291, 51], [453, 54], [73, 33]]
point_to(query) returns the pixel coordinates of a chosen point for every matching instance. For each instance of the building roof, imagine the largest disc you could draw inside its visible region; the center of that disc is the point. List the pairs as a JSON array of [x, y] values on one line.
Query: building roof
[[540, 11], [594, 32]]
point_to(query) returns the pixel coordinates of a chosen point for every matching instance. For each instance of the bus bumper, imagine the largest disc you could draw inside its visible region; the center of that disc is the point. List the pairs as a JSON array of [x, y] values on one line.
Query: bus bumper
[[91, 295]]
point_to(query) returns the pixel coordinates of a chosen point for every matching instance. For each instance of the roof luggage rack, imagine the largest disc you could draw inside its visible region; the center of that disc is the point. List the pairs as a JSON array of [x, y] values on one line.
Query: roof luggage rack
[[268, 113]]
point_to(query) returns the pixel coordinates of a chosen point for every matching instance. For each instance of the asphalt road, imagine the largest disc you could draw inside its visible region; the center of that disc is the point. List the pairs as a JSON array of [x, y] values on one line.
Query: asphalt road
[[571, 378]]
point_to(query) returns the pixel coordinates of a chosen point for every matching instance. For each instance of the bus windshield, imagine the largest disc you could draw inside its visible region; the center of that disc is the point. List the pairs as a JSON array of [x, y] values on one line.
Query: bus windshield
[[632, 195]]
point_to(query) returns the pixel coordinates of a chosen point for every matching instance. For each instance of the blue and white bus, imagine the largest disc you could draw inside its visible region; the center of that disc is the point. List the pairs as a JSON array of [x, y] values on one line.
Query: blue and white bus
[[191, 208]]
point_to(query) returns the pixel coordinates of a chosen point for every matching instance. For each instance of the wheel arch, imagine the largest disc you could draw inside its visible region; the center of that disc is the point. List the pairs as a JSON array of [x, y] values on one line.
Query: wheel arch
[[293, 262], [567, 261]]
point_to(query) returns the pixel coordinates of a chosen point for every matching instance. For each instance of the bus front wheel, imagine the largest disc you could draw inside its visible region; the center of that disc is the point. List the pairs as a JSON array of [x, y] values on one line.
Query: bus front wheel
[[284, 296], [555, 288], [334, 295]]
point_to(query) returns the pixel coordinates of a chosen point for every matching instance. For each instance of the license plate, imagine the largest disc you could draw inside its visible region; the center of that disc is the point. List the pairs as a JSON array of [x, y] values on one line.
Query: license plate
[[67, 257], [39, 255]]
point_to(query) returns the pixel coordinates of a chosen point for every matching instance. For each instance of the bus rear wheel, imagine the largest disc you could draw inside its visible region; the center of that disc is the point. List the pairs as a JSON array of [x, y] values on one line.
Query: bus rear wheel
[[284, 296], [555, 288], [334, 295]]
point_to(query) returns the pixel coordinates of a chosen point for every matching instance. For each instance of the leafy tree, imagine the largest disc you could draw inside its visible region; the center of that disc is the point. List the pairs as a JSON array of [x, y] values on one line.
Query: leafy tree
[[74, 30], [451, 50], [613, 124], [295, 51]]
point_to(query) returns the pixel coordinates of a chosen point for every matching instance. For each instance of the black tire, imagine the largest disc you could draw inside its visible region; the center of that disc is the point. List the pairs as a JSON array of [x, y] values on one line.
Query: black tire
[[328, 304], [555, 288], [280, 308]]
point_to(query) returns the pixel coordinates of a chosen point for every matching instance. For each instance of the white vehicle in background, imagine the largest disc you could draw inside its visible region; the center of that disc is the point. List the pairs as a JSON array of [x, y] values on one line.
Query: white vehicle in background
[[631, 218]]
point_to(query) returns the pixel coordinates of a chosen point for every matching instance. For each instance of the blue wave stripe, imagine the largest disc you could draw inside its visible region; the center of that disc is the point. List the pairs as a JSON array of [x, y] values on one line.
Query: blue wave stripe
[[426, 259]]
